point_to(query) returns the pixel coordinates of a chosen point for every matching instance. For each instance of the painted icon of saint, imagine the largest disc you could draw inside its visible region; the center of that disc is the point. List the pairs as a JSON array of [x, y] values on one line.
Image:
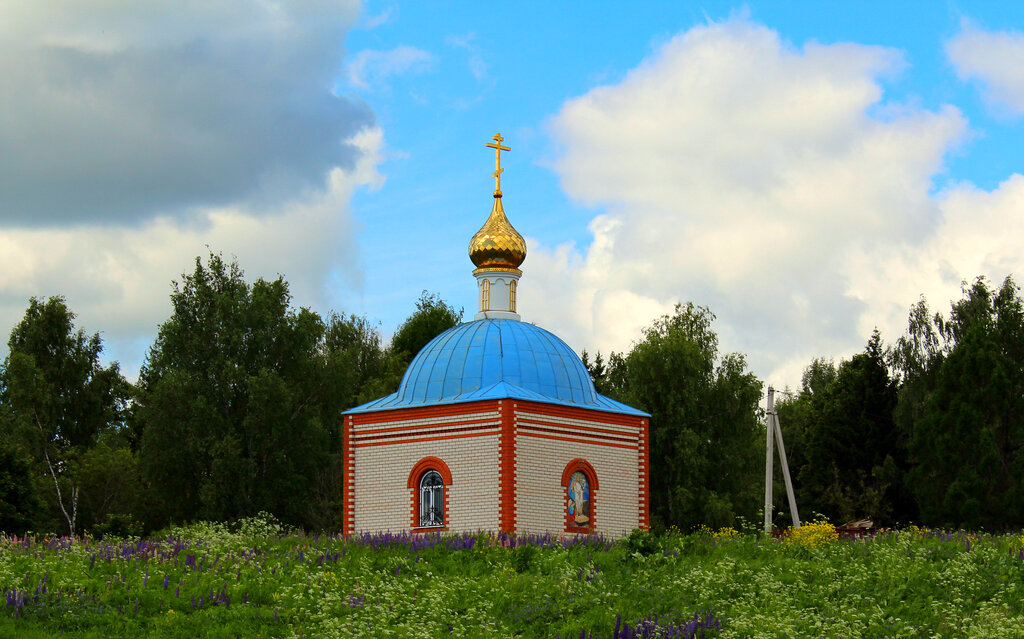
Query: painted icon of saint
[[579, 499]]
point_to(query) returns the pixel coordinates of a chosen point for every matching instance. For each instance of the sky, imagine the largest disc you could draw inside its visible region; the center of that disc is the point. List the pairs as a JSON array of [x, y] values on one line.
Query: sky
[[806, 170]]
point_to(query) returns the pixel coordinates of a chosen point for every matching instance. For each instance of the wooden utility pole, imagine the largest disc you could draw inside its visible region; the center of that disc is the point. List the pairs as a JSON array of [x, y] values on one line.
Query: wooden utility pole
[[774, 430]]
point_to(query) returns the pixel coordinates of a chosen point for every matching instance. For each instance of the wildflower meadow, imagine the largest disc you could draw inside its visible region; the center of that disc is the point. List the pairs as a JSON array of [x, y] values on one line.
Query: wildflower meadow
[[252, 580]]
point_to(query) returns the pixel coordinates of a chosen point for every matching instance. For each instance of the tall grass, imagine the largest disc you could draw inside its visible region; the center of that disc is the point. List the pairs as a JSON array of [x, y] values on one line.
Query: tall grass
[[254, 581]]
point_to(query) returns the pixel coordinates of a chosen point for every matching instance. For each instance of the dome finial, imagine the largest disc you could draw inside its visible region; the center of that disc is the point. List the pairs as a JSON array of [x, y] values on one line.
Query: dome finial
[[497, 161], [497, 250], [497, 245]]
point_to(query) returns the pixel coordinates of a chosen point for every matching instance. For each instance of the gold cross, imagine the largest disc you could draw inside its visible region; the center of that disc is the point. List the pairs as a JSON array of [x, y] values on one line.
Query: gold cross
[[497, 160]]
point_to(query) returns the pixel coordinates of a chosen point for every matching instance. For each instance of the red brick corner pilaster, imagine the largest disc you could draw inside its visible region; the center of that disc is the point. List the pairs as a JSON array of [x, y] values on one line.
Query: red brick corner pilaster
[[645, 476], [507, 468], [583, 466]]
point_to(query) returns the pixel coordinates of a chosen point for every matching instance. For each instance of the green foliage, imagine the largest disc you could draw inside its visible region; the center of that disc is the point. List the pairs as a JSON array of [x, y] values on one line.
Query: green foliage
[[111, 486], [19, 505], [432, 317], [911, 583], [356, 362], [522, 558], [57, 401], [240, 399], [848, 457], [704, 425], [262, 525], [641, 542], [122, 526], [598, 371], [53, 382], [961, 405]]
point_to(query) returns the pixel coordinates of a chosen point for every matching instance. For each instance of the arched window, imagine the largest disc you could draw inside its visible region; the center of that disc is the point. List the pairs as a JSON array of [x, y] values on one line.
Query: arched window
[[579, 481], [429, 483], [431, 499], [485, 295], [512, 296]]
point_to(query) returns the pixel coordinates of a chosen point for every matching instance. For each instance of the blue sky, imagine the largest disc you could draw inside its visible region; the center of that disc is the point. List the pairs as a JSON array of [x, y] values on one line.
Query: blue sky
[[806, 170]]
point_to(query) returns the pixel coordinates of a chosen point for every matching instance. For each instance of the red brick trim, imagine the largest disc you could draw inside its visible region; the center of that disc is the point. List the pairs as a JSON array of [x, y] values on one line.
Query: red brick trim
[[347, 479], [572, 431], [491, 432], [583, 466], [507, 469], [611, 433], [422, 466], [469, 422], [429, 463], [578, 440], [423, 412], [588, 414]]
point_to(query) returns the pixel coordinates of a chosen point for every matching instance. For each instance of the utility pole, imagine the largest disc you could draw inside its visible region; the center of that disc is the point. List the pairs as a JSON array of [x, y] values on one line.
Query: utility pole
[[773, 430]]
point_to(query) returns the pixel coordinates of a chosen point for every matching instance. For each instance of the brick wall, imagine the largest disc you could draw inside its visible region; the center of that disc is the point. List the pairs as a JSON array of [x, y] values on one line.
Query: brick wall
[[387, 446], [506, 459], [547, 439]]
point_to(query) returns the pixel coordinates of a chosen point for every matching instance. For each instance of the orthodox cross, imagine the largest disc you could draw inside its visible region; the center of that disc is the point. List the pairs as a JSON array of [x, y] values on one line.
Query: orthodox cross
[[497, 160]]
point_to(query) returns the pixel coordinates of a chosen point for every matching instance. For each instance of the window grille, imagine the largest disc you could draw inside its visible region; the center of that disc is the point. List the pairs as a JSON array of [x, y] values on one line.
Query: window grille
[[512, 296], [431, 499]]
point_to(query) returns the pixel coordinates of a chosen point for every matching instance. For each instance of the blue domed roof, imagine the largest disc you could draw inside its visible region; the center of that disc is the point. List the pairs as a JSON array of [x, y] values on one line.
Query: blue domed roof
[[496, 359]]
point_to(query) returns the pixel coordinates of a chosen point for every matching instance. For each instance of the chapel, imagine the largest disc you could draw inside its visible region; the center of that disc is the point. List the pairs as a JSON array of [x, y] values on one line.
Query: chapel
[[496, 425]]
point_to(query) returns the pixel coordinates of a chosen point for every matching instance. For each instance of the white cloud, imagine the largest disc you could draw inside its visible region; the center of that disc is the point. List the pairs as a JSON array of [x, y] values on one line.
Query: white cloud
[[475, 62], [122, 111], [137, 136], [117, 280], [994, 58], [768, 182], [477, 66], [372, 22], [980, 233], [369, 66]]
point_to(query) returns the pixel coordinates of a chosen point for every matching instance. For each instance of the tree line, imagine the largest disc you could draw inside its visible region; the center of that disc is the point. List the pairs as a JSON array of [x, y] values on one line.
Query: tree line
[[237, 410], [928, 430]]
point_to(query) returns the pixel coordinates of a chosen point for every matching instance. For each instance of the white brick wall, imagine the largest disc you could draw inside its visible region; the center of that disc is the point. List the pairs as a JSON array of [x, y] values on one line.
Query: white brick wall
[[383, 501], [541, 497]]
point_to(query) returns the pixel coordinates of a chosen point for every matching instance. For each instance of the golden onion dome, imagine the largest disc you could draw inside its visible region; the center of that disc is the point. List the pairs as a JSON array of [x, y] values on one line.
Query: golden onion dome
[[497, 244]]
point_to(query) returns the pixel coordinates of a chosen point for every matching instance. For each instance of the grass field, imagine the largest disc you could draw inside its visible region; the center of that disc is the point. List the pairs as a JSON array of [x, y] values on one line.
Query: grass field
[[209, 581]]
